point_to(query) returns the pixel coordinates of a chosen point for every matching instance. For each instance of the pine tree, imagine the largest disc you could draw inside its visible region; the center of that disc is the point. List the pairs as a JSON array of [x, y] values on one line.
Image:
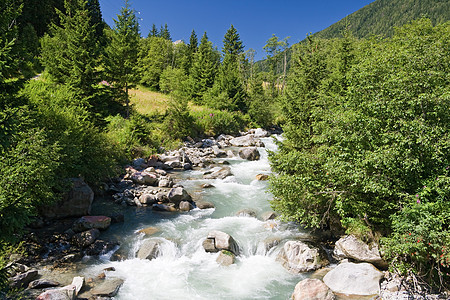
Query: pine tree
[[122, 52], [164, 33], [204, 69], [95, 12], [9, 11], [153, 32], [71, 53], [232, 43]]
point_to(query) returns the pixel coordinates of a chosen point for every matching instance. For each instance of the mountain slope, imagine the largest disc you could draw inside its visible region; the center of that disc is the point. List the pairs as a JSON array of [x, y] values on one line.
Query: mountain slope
[[381, 16]]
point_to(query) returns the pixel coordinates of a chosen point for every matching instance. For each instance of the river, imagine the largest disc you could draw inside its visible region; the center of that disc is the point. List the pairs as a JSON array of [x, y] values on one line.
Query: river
[[184, 270]]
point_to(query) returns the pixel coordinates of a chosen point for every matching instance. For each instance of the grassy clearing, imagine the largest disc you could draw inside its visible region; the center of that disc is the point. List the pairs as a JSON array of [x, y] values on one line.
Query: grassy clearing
[[146, 101]]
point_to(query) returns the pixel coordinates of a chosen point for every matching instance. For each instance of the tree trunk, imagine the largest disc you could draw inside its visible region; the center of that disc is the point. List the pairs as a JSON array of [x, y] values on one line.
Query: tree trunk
[[127, 100]]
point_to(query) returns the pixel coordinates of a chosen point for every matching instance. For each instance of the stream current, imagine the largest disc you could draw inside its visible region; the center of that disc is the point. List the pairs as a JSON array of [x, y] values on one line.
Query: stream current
[[184, 270]]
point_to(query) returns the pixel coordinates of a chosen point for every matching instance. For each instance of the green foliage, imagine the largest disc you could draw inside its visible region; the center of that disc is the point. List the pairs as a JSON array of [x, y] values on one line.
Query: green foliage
[[262, 110], [172, 80], [213, 122], [232, 43], [70, 53], [9, 11], [66, 124], [132, 136], [204, 69], [155, 55], [382, 16], [367, 127]]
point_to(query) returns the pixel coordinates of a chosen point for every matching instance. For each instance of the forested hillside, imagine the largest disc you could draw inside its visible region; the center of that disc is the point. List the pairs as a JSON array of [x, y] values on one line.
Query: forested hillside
[[381, 16]]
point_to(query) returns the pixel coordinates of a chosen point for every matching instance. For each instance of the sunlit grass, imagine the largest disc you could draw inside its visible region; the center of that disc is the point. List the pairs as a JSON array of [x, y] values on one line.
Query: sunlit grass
[[146, 101]]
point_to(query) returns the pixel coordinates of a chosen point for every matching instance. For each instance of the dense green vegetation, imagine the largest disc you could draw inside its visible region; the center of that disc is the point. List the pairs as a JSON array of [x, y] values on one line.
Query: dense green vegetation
[[366, 120], [381, 16], [367, 143]]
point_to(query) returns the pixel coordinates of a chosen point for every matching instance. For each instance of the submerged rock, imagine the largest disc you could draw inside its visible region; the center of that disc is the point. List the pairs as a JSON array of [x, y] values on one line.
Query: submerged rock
[[149, 249], [361, 279], [246, 213], [298, 257], [222, 173], [90, 222], [204, 204]]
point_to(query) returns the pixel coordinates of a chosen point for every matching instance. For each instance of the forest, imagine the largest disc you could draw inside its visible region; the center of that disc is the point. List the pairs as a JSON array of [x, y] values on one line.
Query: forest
[[365, 119]]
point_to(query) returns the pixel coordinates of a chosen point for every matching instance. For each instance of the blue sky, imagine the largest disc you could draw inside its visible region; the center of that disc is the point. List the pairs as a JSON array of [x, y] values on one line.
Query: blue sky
[[255, 20]]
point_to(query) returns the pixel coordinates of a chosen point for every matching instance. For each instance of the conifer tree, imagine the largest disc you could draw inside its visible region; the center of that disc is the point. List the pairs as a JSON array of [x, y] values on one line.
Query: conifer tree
[[70, 53], [153, 32], [230, 81], [232, 43], [122, 52], [164, 33], [204, 68], [191, 49]]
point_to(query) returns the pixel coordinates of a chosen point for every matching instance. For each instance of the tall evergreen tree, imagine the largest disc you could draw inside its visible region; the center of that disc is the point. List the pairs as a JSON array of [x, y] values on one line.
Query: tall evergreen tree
[[232, 43], [153, 32], [204, 68], [164, 33], [122, 52], [70, 53], [95, 12]]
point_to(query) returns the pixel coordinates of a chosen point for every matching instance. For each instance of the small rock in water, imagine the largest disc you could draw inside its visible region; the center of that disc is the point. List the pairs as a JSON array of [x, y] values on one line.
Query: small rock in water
[[149, 249], [262, 177], [246, 213], [225, 258], [204, 205], [108, 288], [207, 185], [186, 206], [249, 153], [42, 283], [149, 230], [269, 215]]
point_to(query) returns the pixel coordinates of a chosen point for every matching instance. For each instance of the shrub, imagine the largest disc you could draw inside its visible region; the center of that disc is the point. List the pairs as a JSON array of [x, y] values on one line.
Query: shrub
[[213, 122]]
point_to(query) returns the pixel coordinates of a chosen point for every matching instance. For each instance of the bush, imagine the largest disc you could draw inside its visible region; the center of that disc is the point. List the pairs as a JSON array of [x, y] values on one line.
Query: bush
[[213, 122]]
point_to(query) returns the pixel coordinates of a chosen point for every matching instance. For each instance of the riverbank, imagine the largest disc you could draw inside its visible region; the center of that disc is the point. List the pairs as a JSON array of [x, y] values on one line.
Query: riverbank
[[226, 195]]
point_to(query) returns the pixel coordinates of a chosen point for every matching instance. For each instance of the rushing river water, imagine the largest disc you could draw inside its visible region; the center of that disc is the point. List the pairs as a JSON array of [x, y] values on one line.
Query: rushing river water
[[185, 270]]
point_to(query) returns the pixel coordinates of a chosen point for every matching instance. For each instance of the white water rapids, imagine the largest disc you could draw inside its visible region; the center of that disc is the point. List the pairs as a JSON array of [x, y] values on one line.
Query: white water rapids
[[185, 270]]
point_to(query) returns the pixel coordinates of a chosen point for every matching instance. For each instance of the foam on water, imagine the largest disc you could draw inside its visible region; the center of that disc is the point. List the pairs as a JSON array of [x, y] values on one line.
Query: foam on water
[[184, 270]]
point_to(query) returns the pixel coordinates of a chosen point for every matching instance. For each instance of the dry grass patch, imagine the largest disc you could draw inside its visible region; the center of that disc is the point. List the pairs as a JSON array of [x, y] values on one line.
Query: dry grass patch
[[147, 102]]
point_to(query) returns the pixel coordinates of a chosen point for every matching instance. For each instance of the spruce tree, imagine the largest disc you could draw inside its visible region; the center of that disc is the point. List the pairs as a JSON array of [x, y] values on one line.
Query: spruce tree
[[164, 33], [153, 32], [232, 43], [204, 69], [122, 52], [70, 53]]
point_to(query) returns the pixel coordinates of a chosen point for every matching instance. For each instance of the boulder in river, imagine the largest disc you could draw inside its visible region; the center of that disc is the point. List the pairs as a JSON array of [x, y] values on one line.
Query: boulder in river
[[42, 283], [221, 173], [262, 177], [149, 230], [65, 293], [225, 258], [90, 222], [351, 247], [246, 213], [312, 289], [164, 207], [178, 194], [108, 288], [269, 215], [75, 203], [246, 141], [149, 249], [186, 206], [356, 280], [218, 240], [298, 257], [204, 204], [249, 153], [147, 199]]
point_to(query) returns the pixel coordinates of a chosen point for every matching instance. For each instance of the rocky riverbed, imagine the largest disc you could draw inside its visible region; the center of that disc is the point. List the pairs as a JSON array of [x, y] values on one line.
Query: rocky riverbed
[[194, 237]]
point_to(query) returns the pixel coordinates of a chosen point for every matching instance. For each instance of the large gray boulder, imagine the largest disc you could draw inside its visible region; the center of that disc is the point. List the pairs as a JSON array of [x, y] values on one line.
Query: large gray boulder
[[351, 247], [355, 280], [23, 279], [221, 173], [178, 194], [246, 141], [108, 288], [312, 289], [225, 258], [149, 249], [65, 293], [298, 257], [218, 240], [75, 203], [249, 154]]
